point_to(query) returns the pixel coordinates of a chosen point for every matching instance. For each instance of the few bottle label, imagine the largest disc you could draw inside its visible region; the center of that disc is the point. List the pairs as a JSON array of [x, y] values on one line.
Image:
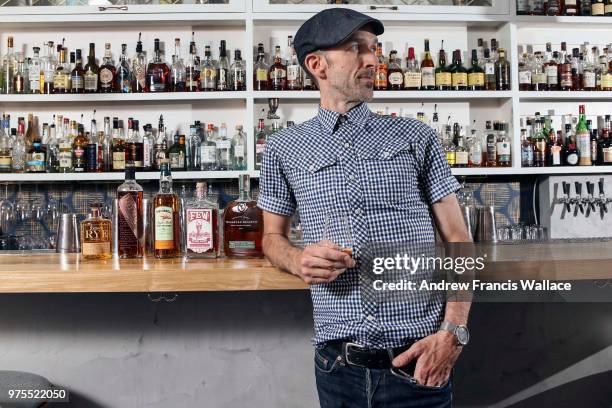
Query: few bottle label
[[164, 228], [460, 79], [411, 79], [208, 154], [199, 230], [444, 79], [428, 77], [476, 79]]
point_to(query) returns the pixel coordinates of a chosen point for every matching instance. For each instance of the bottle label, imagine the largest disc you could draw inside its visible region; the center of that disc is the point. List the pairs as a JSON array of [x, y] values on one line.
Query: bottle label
[[164, 228], [525, 77], [262, 75], [594, 151], [60, 81], [489, 68], [208, 154], [5, 163], [607, 154], [551, 75], [608, 8], [491, 151], [584, 144], [460, 79], [380, 78], [278, 73], [139, 73], [539, 78], [146, 153], [199, 230], [96, 248], [92, 156], [224, 144], [222, 79], [106, 78], [589, 79], [428, 77], [239, 151], [556, 155], [411, 79], [566, 79], [77, 82], [177, 160], [476, 156], [293, 73], [444, 79], [572, 159], [128, 222], [118, 160], [65, 159], [451, 158], [241, 244], [606, 81], [476, 79], [259, 148], [527, 156], [461, 158], [34, 77], [597, 9], [91, 81], [36, 162]]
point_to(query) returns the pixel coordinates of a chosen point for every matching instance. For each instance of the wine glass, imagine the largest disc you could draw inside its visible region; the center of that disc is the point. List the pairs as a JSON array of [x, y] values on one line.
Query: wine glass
[[337, 229]]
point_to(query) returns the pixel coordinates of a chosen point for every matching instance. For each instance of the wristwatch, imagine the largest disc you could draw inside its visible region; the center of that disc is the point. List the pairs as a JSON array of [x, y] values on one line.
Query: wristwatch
[[461, 332]]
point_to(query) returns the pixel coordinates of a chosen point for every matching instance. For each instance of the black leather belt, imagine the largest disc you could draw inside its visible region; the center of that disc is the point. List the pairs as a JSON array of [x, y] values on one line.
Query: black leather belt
[[360, 356]]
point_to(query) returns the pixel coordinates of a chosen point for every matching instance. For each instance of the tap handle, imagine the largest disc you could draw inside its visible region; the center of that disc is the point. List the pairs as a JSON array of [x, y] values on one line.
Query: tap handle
[[601, 186], [566, 189], [590, 188], [578, 188]]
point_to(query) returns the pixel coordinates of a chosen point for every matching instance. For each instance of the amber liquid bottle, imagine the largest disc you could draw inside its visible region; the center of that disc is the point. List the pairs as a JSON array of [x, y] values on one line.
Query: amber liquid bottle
[[380, 73], [166, 228], [129, 234], [96, 236], [243, 224]]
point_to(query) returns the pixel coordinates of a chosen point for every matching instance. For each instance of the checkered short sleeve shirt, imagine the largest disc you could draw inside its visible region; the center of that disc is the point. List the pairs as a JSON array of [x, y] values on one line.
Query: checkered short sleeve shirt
[[375, 177]]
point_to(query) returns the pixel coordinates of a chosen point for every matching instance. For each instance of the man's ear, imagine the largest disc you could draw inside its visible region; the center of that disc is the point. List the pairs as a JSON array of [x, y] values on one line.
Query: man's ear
[[316, 65]]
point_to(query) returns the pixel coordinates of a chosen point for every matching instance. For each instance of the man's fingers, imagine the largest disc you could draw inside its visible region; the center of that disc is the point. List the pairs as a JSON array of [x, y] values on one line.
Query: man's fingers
[[313, 276], [314, 262], [407, 356]]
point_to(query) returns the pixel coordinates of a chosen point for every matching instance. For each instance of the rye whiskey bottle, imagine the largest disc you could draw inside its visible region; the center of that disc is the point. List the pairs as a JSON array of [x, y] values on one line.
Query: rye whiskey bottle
[[201, 221], [166, 212], [96, 235], [130, 236], [243, 224]]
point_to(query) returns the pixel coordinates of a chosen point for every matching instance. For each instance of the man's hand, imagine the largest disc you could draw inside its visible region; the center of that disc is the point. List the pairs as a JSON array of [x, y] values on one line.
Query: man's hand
[[435, 355], [322, 263]]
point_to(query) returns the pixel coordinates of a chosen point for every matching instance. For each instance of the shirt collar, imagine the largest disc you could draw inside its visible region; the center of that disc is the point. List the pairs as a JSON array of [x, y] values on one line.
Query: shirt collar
[[356, 115]]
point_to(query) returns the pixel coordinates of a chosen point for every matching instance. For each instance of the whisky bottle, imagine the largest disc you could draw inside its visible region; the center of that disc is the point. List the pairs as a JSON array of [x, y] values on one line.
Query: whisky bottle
[[223, 69], [503, 146], [61, 77], [201, 220], [91, 150], [208, 150], [177, 70], [476, 75], [294, 70], [123, 79], [598, 8], [136, 151], [139, 66], [166, 228], [108, 71], [20, 79], [119, 163], [77, 75], [243, 224], [192, 70], [491, 142], [34, 70], [260, 143], [443, 75], [130, 221], [571, 8], [157, 72], [428, 71], [177, 154], [551, 67], [65, 150], [96, 235], [161, 145], [79, 144], [208, 75], [5, 151], [36, 156], [459, 75], [260, 71], [502, 72], [9, 65], [380, 70], [239, 143], [147, 147], [461, 152], [90, 77], [277, 77], [395, 74]]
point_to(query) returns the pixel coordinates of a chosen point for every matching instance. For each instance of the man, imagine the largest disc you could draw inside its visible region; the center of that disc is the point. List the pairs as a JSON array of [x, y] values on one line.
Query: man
[[388, 177]]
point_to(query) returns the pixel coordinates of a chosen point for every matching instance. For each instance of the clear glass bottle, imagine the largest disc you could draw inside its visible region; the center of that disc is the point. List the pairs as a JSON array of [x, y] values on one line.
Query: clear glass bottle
[[166, 228], [589, 74], [61, 77], [260, 70], [504, 158], [130, 217], [208, 150], [201, 220], [238, 73], [177, 71], [9, 66], [139, 68], [192, 70], [6, 159], [20, 79], [96, 235], [475, 149], [380, 70], [277, 76], [19, 148], [177, 154], [161, 145], [123, 79], [34, 69], [157, 72], [239, 149], [527, 153], [224, 148], [194, 148], [260, 143], [208, 75], [449, 147], [294, 70], [147, 148], [243, 224], [52, 149], [65, 149], [223, 69]]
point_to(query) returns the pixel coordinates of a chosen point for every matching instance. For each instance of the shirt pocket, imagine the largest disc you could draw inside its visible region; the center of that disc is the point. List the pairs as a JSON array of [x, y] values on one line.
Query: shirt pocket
[[391, 175]]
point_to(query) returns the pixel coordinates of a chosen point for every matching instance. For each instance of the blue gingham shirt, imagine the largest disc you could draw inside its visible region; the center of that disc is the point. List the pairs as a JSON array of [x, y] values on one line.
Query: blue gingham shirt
[[382, 174]]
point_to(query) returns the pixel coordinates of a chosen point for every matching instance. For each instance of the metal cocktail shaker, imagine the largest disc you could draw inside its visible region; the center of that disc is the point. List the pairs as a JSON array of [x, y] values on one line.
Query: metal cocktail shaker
[[68, 235], [486, 230]]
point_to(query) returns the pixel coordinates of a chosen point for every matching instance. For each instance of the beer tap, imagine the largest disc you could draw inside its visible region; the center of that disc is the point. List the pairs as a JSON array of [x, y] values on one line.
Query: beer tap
[[590, 200], [602, 201], [565, 200], [578, 200]]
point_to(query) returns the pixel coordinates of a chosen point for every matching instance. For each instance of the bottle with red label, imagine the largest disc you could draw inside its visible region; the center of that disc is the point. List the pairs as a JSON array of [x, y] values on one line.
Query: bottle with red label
[[201, 234]]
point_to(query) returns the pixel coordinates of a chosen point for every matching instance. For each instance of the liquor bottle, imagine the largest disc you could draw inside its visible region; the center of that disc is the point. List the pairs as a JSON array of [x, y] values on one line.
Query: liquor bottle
[[119, 149], [130, 219], [208, 76], [192, 70], [193, 146], [243, 224], [239, 149], [201, 220], [489, 68], [79, 144], [571, 153], [502, 72], [123, 79], [238, 74], [91, 74], [428, 74], [553, 7], [223, 69], [9, 65], [35, 157], [309, 83], [606, 77], [96, 235], [34, 69], [504, 157], [177, 154], [413, 76], [598, 8], [491, 143], [147, 147], [474, 146], [47, 70], [208, 150], [523, 7], [294, 70], [139, 66], [77, 75], [604, 149], [594, 144], [224, 149], [20, 77], [65, 150], [380, 70], [260, 143], [177, 69], [107, 147], [61, 77], [577, 74], [395, 74], [583, 139], [589, 76], [161, 145], [19, 148], [476, 75], [443, 75], [608, 8], [539, 143], [166, 229], [571, 8], [91, 149], [459, 73], [158, 73], [260, 72], [6, 159], [527, 152], [136, 151], [585, 7], [449, 147], [277, 76], [539, 79], [565, 70], [461, 152], [108, 72], [72, 64]]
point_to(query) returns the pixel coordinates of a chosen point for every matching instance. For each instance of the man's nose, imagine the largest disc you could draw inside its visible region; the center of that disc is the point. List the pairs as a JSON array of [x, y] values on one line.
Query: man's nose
[[370, 60]]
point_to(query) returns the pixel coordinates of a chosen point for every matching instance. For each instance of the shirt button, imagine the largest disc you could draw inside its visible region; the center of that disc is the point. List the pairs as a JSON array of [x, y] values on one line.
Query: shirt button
[[386, 155], [347, 145], [312, 167], [352, 178], [358, 211], [370, 318]]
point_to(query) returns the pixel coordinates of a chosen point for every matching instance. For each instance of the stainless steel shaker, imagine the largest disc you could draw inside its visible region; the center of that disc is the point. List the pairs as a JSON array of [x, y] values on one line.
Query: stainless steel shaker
[[68, 235], [486, 230], [469, 216]]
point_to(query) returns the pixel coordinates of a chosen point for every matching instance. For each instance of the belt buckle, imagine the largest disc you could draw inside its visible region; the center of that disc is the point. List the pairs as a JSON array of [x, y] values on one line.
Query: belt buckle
[[346, 354]]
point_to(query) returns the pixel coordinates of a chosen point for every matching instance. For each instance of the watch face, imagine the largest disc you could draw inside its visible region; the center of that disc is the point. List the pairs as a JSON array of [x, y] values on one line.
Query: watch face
[[463, 335]]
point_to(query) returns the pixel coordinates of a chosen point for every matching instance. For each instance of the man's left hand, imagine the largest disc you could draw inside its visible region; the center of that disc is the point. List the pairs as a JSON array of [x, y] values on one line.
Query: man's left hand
[[436, 355]]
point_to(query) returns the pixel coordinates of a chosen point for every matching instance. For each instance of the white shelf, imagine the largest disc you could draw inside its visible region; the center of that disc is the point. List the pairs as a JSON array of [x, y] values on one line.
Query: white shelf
[[149, 175], [539, 20], [405, 95], [131, 97], [518, 171], [565, 95]]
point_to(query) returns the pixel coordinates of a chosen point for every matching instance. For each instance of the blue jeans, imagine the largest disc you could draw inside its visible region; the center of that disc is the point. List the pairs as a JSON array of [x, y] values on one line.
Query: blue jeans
[[341, 385]]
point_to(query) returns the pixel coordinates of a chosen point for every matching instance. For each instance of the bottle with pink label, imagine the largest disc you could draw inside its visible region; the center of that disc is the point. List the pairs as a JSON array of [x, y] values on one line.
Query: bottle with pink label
[[201, 222]]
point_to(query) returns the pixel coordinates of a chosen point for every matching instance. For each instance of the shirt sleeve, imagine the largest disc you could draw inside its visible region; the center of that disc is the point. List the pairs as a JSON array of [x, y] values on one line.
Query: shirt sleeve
[[436, 176], [275, 193]]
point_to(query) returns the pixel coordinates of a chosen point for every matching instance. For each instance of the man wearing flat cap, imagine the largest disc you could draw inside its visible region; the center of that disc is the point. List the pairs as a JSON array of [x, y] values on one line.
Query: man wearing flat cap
[[388, 181]]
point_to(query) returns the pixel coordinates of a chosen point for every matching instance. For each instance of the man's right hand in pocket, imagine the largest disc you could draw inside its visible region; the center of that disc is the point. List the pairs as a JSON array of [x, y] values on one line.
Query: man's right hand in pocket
[[322, 263]]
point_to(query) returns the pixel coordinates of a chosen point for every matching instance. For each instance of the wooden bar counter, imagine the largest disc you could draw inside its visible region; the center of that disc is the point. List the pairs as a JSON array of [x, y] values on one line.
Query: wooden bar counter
[[31, 272]]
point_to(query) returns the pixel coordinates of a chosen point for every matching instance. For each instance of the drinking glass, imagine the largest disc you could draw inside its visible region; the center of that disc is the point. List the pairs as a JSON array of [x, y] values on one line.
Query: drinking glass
[[337, 229]]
